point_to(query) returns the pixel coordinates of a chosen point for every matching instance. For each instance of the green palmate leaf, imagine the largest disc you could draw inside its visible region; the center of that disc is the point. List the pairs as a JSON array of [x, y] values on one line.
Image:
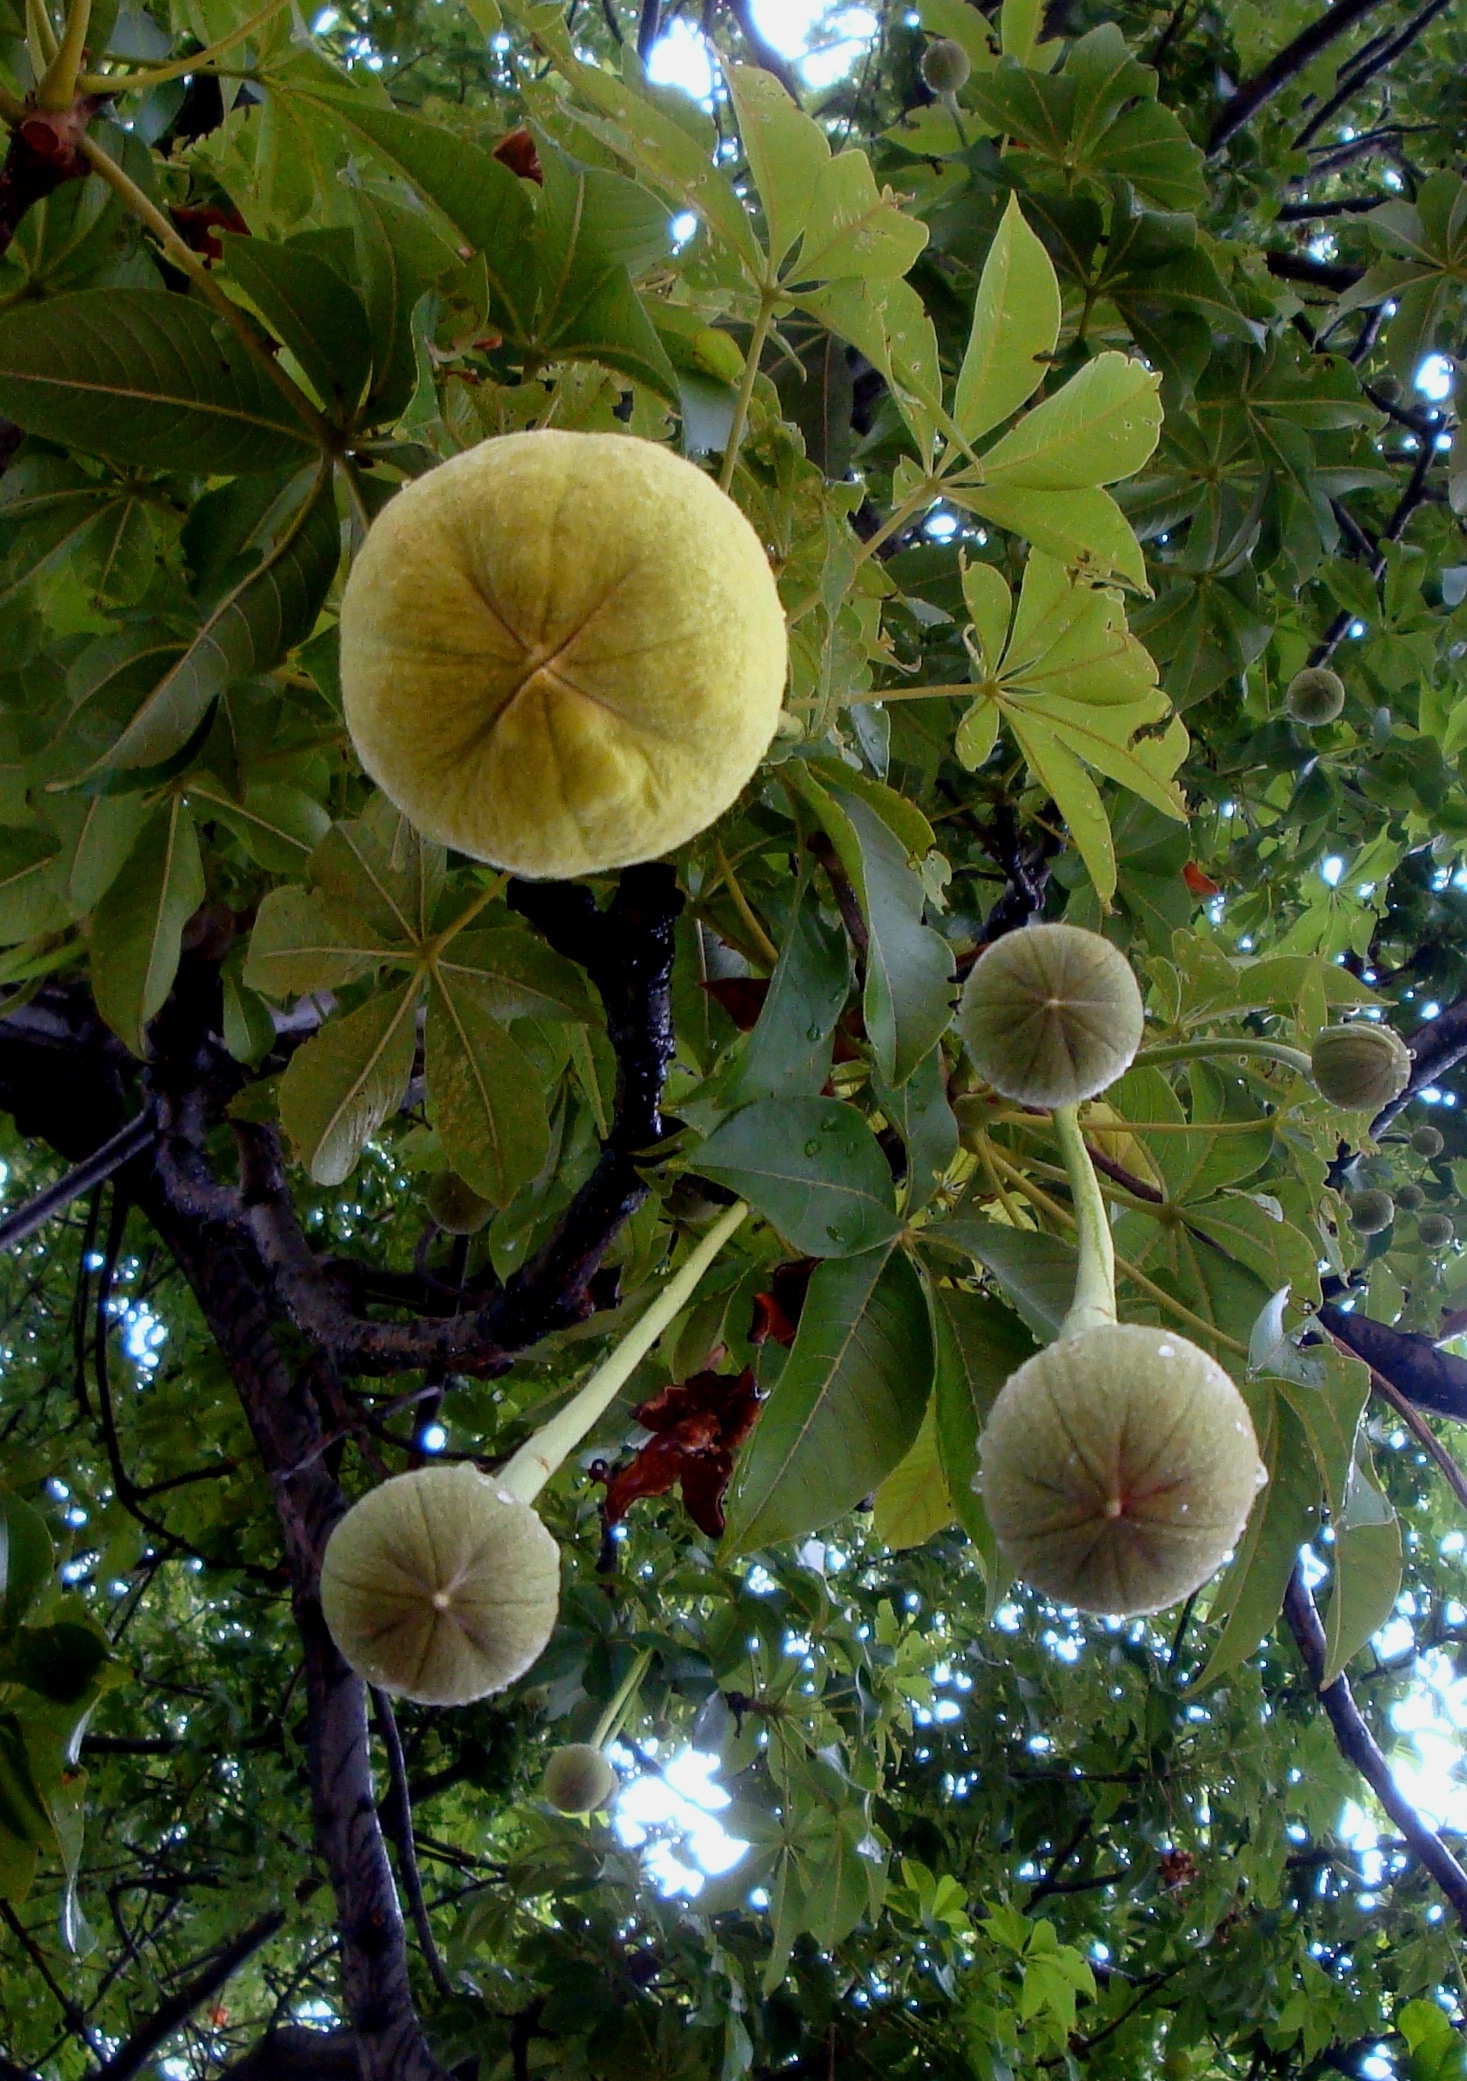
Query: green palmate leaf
[[854, 228], [787, 153], [59, 1662], [1367, 1561], [250, 630], [1286, 1516], [23, 1811], [142, 377], [908, 993], [1085, 530], [479, 197], [26, 1558], [811, 1167], [847, 1406], [517, 976], [788, 1053], [32, 899], [1016, 320], [886, 320], [1037, 1272], [398, 257], [1100, 428], [483, 1094], [278, 825], [313, 311], [979, 1342], [920, 1113], [138, 926], [591, 231], [300, 943], [342, 1085], [913, 1503], [384, 874]]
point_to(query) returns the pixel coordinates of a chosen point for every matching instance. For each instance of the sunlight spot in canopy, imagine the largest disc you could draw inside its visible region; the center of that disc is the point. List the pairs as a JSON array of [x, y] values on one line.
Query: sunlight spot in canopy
[[941, 526], [1331, 870], [680, 58], [432, 1438], [1435, 377], [671, 1815], [683, 227]]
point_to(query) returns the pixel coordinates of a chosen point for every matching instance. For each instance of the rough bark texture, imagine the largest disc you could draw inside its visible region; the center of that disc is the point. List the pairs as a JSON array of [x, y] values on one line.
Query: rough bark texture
[[69, 1083]]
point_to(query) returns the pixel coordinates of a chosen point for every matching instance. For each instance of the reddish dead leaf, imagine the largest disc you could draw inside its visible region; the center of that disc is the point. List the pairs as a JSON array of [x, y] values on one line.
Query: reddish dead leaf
[[518, 153], [777, 1312], [741, 996], [697, 1428], [199, 225], [1176, 1868], [1199, 883]]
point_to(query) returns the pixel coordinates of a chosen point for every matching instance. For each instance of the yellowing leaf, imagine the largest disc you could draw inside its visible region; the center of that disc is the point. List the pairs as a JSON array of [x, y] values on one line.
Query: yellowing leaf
[[913, 1503], [1016, 321], [1100, 428]]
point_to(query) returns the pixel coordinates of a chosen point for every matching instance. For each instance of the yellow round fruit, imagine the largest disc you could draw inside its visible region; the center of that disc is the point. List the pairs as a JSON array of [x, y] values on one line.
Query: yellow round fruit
[[1051, 1014], [438, 1587], [562, 652], [1119, 1467], [579, 1778]]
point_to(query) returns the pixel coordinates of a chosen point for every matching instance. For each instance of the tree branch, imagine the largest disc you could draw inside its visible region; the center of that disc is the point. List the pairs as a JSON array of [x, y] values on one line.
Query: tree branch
[[136, 2052], [1358, 1746], [1367, 65], [1428, 1378], [762, 51], [128, 1142], [398, 1814], [1285, 65]]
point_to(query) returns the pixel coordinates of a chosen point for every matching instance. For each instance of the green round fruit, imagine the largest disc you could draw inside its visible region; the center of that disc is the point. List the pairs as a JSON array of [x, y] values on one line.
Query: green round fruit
[[439, 1587], [1371, 1211], [1315, 696], [562, 652], [1435, 1231], [579, 1778], [1427, 1142], [1361, 1065], [1410, 1198], [1051, 1015], [945, 65], [1118, 1469], [455, 1206]]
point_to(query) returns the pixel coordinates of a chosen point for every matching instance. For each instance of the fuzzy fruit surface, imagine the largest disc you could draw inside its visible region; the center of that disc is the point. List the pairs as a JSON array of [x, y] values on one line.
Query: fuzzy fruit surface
[[562, 652], [1371, 1212], [1410, 1198], [1359, 1065], [438, 1588], [1315, 696], [1118, 1469], [1427, 1142], [455, 1206], [945, 65], [1435, 1231], [1051, 1015], [579, 1778]]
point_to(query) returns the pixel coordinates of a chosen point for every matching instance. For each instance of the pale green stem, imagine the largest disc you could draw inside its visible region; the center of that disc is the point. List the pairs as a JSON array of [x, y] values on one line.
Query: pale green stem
[[58, 89], [1227, 1044], [746, 391], [610, 1721], [1095, 1275], [138, 82], [40, 36], [533, 1465]]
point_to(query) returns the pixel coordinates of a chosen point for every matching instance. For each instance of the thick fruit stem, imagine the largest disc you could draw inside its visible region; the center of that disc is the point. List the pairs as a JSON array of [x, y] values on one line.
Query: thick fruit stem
[[1224, 1044], [532, 1466], [1095, 1276]]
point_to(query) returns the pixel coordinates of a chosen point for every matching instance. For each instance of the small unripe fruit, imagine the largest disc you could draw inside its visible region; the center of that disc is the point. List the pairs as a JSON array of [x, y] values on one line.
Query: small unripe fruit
[[579, 1778], [1435, 1231], [1371, 1211], [945, 65], [1051, 1015], [1410, 1198], [1427, 1142], [1119, 1467], [439, 1587], [562, 652], [1315, 696], [455, 1206], [1360, 1065]]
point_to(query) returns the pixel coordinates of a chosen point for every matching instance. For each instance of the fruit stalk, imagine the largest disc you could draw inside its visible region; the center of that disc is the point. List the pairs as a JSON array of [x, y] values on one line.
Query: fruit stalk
[[524, 1475], [1095, 1276], [1228, 1044], [610, 1721]]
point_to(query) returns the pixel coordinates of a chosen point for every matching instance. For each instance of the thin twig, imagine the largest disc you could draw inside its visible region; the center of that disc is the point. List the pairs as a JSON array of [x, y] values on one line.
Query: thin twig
[[1285, 65], [128, 1142], [1366, 66], [397, 1815], [1358, 1746]]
